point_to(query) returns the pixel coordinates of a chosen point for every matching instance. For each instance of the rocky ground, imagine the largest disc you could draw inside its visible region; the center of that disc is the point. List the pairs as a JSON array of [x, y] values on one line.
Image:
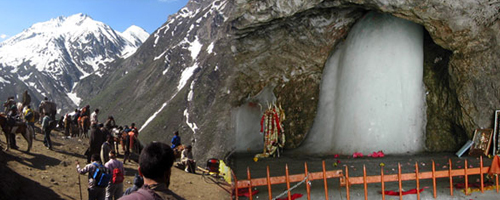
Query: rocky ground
[[51, 174]]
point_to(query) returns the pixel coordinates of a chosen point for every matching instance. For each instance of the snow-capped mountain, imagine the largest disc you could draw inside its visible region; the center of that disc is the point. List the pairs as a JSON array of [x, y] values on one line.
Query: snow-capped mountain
[[50, 58], [172, 81]]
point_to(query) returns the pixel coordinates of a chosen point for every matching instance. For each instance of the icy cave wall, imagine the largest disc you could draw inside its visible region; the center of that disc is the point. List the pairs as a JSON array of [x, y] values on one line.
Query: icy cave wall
[[287, 43], [371, 94]]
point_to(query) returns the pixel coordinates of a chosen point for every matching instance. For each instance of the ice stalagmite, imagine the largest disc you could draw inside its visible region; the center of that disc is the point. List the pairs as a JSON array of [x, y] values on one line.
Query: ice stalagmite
[[372, 95]]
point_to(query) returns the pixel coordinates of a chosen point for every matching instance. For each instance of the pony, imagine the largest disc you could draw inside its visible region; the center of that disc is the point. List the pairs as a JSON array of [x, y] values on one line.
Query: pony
[[178, 151], [48, 107], [22, 128], [84, 126]]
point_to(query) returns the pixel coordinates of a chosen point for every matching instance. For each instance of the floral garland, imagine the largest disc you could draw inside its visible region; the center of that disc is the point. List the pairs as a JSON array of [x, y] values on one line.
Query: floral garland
[[270, 126]]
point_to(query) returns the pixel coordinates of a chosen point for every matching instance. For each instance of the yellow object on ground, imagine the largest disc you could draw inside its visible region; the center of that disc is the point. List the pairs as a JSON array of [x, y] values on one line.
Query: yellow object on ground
[[225, 171]]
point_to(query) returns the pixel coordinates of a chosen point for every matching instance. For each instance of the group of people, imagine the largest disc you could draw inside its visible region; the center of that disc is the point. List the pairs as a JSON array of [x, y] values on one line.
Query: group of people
[[155, 163], [71, 121], [155, 160], [17, 117]]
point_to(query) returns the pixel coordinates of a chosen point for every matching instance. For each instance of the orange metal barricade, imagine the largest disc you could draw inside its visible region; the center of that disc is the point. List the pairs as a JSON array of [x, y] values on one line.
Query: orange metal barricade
[[347, 181]]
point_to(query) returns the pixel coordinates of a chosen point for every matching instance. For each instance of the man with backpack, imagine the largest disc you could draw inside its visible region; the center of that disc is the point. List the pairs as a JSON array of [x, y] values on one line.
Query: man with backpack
[[98, 176], [115, 187], [29, 116]]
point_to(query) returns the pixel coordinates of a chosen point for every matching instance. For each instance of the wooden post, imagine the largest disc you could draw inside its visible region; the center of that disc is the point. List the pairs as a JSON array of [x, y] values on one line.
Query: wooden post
[[466, 179], [235, 184], [347, 182], [481, 173], [365, 184], [417, 180], [269, 184], [308, 187], [249, 184], [382, 181], [496, 181], [324, 180], [434, 178], [287, 182], [451, 177], [400, 182]]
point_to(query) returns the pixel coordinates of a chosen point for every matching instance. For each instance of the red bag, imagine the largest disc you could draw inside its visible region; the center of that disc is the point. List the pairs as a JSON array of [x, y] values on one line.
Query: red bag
[[117, 176]]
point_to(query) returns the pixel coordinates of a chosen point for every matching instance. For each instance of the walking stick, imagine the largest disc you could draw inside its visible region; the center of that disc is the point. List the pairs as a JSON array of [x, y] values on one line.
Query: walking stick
[[80, 186]]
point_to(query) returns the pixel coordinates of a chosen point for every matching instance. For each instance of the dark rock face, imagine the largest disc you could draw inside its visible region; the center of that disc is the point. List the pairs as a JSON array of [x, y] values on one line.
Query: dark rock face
[[247, 46]]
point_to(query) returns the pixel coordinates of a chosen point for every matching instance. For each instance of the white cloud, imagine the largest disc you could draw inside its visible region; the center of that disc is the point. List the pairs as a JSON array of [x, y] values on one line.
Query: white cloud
[[3, 36]]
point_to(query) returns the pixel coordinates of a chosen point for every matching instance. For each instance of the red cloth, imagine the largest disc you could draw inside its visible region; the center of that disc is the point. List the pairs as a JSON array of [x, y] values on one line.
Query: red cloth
[[495, 166], [243, 192], [379, 154], [396, 193], [357, 155], [294, 196]]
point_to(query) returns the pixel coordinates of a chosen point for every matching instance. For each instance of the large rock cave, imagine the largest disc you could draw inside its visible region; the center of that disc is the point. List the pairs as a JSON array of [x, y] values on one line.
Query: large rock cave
[[283, 50]]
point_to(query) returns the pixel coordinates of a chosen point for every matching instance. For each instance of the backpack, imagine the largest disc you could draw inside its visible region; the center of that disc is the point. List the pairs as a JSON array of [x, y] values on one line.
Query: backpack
[[117, 176], [101, 176], [28, 116]]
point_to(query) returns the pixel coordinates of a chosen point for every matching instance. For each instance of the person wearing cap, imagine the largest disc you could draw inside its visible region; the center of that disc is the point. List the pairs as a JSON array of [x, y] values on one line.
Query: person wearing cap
[[188, 160]]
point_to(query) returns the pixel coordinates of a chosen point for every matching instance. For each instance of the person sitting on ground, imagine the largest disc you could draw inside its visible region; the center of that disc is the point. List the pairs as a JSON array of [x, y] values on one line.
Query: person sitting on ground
[[138, 182], [155, 166], [115, 187], [188, 160], [95, 192]]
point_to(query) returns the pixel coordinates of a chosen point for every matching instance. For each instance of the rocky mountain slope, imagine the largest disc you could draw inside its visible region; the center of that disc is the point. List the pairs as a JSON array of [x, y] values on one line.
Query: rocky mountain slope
[[50, 58]]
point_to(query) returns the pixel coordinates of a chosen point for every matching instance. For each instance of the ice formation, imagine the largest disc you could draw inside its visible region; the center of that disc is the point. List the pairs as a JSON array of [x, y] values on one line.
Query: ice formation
[[247, 120], [371, 95]]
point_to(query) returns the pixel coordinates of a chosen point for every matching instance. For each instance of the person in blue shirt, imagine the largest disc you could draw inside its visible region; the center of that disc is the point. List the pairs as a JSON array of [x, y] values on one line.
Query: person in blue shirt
[[176, 140]]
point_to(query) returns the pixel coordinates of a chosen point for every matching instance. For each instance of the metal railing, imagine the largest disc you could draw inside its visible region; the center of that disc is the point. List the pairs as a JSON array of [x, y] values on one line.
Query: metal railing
[[347, 181]]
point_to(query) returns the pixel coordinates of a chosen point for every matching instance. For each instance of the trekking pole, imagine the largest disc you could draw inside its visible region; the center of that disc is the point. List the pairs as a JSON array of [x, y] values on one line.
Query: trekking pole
[[80, 186]]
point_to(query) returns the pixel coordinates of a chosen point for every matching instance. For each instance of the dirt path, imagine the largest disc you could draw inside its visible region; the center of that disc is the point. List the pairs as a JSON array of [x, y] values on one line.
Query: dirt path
[[46, 174]]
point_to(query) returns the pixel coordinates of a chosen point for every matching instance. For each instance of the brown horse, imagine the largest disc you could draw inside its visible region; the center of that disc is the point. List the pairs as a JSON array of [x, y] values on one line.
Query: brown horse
[[84, 126], [178, 151], [22, 128]]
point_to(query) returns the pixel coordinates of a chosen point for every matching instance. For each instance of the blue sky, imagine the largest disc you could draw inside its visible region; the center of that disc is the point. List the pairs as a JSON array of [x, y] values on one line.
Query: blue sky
[[17, 15]]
